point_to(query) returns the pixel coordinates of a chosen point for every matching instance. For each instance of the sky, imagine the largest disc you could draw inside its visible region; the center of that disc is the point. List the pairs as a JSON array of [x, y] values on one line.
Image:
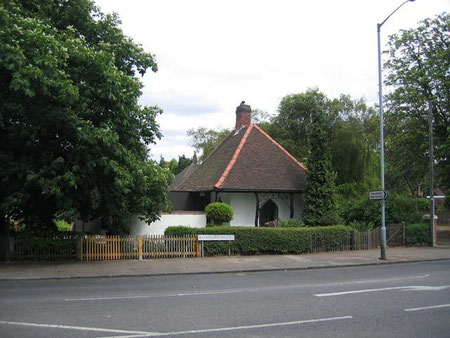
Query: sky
[[213, 54]]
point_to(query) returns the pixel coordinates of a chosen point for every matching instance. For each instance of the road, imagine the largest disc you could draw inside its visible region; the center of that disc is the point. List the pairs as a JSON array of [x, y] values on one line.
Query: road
[[399, 300]]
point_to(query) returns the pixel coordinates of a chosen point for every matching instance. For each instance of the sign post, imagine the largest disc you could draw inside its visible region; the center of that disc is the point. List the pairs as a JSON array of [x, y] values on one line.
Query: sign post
[[214, 238], [381, 195]]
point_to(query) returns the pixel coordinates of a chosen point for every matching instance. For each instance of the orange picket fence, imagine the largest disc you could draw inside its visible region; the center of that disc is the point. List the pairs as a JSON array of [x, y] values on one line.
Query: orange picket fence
[[138, 247]]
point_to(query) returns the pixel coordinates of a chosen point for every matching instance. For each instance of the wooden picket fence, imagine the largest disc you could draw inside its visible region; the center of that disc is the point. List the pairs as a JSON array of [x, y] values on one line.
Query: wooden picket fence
[[138, 247], [97, 247]]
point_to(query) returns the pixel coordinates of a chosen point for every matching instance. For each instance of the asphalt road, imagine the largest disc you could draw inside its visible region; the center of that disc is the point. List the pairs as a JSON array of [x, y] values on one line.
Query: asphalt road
[[401, 300]]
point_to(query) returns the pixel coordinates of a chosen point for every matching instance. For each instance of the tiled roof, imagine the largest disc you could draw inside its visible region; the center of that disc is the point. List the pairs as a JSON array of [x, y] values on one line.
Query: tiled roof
[[247, 160]]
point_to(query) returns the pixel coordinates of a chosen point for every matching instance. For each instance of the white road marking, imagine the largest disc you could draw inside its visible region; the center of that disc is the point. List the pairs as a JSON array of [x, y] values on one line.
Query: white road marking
[[235, 328], [155, 295], [404, 288], [81, 328], [427, 307], [357, 291], [241, 290]]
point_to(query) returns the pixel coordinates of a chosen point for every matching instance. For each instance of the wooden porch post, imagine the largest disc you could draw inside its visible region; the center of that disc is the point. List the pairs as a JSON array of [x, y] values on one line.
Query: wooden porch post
[[257, 209], [291, 205]]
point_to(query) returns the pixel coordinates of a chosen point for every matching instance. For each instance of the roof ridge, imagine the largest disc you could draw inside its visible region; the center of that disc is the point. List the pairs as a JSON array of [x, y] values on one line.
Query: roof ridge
[[234, 158], [301, 165]]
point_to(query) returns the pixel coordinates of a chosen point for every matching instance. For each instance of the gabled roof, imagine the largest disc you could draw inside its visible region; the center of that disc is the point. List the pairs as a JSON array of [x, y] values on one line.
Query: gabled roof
[[247, 160]]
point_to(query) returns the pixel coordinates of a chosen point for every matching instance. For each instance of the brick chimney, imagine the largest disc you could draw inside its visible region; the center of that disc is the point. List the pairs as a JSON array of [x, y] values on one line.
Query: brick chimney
[[243, 115]]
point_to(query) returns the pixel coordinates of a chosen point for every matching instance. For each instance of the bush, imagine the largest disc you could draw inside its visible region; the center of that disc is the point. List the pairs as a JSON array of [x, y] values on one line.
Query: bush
[[361, 226], [447, 202], [49, 245], [219, 212], [291, 223], [399, 208], [63, 225], [252, 241], [418, 233]]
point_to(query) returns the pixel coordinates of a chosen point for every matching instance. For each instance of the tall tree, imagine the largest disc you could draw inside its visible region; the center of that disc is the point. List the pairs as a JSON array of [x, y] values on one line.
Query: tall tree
[[418, 74], [320, 203], [73, 139], [350, 124]]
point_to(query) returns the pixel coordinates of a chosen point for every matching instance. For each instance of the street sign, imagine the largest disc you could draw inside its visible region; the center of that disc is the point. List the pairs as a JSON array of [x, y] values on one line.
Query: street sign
[[378, 195], [216, 237]]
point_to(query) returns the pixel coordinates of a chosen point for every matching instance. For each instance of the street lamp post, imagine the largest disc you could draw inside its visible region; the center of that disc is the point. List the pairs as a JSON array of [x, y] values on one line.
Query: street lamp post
[[380, 94]]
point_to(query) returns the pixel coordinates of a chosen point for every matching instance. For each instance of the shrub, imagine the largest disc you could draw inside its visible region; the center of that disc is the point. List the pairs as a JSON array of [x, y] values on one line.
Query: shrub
[[418, 233], [361, 226], [399, 208], [252, 241], [47, 245], [63, 225], [291, 223], [447, 202], [219, 212]]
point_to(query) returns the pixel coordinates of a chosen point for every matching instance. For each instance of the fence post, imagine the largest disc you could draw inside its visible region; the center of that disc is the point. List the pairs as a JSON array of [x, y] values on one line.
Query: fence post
[[403, 233], [140, 248], [352, 241], [11, 247], [79, 248], [199, 249]]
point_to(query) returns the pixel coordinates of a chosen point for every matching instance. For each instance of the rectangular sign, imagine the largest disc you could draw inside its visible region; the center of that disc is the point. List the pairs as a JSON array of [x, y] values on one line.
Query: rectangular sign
[[216, 237], [378, 195]]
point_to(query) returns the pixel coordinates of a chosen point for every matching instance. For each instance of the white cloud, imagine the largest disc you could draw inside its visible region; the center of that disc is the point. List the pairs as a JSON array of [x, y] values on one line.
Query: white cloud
[[214, 54]]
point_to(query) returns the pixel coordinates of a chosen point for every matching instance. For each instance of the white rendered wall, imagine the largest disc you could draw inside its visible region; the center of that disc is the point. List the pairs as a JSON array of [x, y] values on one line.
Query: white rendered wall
[[190, 219], [244, 205]]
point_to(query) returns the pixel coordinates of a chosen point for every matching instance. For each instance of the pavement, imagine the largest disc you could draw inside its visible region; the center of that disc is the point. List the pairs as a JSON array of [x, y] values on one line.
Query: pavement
[[208, 265]]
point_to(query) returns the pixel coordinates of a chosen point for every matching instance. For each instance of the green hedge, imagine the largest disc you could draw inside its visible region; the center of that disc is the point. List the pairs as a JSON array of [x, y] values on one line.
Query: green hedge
[[399, 208], [252, 241], [418, 233], [46, 246]]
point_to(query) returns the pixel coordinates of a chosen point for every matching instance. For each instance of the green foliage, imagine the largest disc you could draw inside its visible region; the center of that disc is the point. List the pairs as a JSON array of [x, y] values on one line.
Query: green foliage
[[447, 202], [320, 203], [48, 245], [73, 138], [206, 140], [417, 68], [63, 225], [418, 233], [361, 226], [219, 212], [352, 128], [399, 209], [252, 241], [291, 223]]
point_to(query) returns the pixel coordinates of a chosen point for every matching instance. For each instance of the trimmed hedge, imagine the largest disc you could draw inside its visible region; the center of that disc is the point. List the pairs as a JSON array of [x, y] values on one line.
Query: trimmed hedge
[[291, 223], [252, 241], [418, 233]]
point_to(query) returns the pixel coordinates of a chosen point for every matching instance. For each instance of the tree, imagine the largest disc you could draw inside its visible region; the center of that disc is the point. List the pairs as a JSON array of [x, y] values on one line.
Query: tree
[[418, 74], [350, 124], [73, 139], [206, 140], [320, 203]]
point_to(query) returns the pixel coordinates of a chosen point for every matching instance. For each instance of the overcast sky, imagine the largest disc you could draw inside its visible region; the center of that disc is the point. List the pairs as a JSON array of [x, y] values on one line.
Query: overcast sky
[[212, 54]]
